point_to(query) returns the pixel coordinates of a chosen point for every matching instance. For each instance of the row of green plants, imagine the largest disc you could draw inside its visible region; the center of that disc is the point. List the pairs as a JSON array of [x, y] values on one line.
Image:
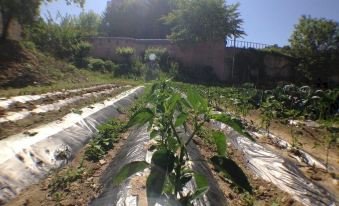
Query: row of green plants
[[168, 115], [286, 101], [97, 148], [104, 141]]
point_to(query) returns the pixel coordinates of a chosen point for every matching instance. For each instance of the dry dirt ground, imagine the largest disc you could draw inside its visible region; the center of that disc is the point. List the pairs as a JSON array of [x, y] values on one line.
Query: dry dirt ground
[[77, 193], [34, 120], [311, 141], [87, 187], [265, 193]]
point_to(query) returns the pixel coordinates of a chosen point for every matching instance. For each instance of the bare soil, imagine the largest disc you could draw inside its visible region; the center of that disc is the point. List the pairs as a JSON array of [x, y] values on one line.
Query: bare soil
[[16, 65], [17, 106], [265, 193], [82, 191], [77, 193], [34, 120], [312, 141]]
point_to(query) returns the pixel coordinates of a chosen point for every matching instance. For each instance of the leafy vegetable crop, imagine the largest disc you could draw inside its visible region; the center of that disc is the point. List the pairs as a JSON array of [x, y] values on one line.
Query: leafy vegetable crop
[[169, 115]]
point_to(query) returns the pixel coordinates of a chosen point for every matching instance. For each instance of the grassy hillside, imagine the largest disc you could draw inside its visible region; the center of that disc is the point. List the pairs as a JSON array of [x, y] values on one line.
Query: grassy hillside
[[23, 70]]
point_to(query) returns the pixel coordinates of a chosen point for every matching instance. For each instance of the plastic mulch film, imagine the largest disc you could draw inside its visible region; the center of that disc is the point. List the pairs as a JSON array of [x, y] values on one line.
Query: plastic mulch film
[[28, 157], [135, 150], [55, 106], [282, 172], [7, 102]]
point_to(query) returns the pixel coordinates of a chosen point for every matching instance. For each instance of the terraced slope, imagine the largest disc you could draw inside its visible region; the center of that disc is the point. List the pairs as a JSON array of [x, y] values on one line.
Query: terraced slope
[[23, 112]]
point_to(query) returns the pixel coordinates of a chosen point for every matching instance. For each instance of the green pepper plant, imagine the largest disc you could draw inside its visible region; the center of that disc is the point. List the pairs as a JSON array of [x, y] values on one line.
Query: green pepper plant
[[167, 114]]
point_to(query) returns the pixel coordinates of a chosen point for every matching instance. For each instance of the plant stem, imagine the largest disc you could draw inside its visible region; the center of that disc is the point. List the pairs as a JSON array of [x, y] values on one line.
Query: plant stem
[[178, 171], [175, 133]]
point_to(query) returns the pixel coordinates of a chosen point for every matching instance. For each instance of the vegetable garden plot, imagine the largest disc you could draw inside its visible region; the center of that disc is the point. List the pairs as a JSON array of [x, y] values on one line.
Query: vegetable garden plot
[[5, 103], [278, 170], [161, 165], [25, 159], [136, 149], [44, 108], [260, 133], [312, 142], [176, 174]]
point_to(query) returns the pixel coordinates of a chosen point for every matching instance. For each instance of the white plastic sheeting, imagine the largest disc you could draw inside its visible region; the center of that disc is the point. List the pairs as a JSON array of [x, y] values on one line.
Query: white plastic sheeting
[[135, 150], [302, 157], [282, 144], [272, 167], [7, 102], [15, 116], [25, 159]]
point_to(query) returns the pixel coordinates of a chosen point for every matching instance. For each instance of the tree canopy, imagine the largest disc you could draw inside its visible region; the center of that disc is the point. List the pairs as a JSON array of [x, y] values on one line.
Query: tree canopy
[[315, 41], [87, 23], [203, 20], [23, 11], [136, 18], [312, 36]]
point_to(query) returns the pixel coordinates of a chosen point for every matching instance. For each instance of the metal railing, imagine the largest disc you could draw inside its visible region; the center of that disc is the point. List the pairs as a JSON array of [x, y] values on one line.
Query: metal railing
[[245, 44]]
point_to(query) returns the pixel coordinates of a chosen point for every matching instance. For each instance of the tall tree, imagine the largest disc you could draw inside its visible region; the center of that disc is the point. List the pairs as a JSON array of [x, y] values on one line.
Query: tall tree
[[136, 18], [88, 23], [24, 11], [234, 22], [203, 20], [316, 43]]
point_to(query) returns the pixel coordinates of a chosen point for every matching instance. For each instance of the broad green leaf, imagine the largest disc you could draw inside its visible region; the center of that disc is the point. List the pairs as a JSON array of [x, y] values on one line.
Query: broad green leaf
[[198, 103], [154, 87], [171, 102], [141, 117], [220, 141], [202, 186], [181, 119], [155, 184], [232, 171], [129, 170], [234, 123], [173, 144], [169, 186], [154, 133], [185, 103], [164, 159]]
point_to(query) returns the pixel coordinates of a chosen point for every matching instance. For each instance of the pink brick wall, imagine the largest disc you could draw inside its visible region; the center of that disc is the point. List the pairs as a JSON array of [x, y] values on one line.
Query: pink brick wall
[[191, 55]]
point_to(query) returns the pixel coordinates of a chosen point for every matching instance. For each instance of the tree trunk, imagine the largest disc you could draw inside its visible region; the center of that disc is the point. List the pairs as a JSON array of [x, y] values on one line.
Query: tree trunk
[[6, 21]]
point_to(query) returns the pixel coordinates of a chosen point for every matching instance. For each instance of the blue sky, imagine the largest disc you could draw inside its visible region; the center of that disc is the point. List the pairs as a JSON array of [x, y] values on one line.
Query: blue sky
[[265, 21]]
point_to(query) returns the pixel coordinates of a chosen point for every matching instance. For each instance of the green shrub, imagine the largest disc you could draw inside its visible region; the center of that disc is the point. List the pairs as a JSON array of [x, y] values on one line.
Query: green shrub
[[174, 69], [111, 66], [63, 180], [162, 57], [104, 140], [59, 40], [160, 52], [96, 64], [138, 68], [82, 53], [125, 52], [101, 65], [126, 62], [28, 45]]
